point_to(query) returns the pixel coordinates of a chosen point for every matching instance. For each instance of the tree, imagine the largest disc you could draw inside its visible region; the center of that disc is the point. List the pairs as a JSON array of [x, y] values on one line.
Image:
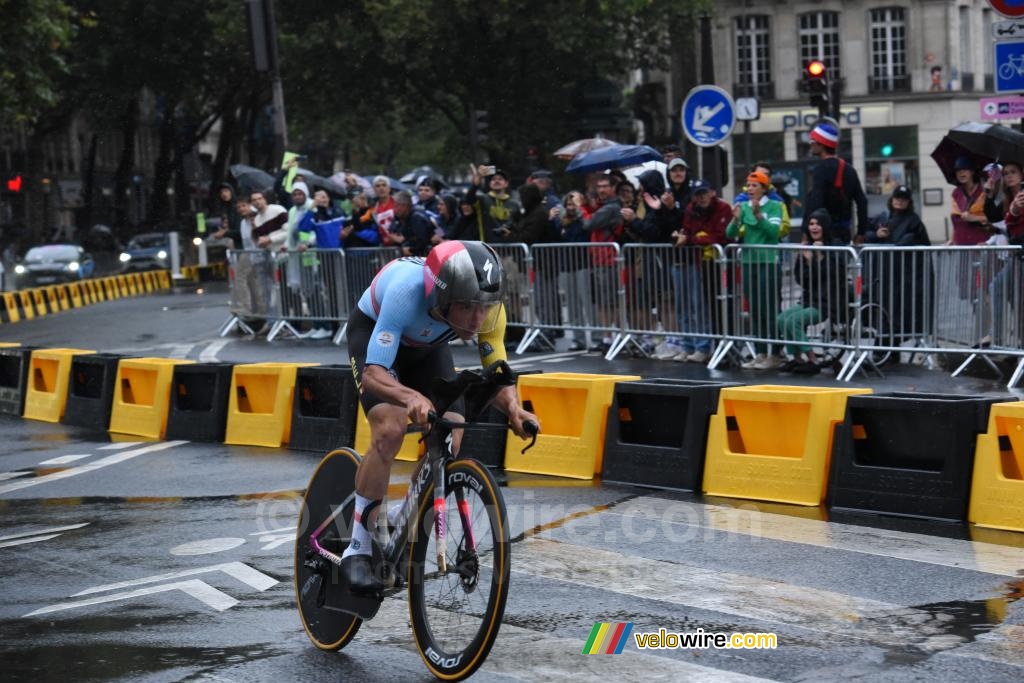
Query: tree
[[34, 39]]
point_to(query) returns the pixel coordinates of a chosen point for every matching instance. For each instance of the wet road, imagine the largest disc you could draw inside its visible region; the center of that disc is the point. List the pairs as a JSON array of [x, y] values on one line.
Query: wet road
[[172, 561]]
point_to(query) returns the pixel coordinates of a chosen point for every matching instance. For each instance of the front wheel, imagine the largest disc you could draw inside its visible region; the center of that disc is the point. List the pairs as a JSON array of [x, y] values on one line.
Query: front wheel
[[331, 483], [456, 614]]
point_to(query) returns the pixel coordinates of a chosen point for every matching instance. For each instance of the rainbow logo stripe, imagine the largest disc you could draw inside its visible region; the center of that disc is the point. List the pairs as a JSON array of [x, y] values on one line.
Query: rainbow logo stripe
[[608, 638]]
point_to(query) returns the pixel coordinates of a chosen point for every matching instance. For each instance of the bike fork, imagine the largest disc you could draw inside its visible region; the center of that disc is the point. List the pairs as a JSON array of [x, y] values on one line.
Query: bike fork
[[439, 517]]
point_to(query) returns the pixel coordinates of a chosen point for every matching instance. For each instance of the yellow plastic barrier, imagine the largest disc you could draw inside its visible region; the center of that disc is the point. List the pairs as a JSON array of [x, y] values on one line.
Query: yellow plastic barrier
[[52, 298], [773, 443], [130, 282], [28, 310], [260, 406], [11, 304], [9, 345], [148, 280], [75, 293], [997, 486], [48, 374], [140, 283], [39, 299], [142, 395], [411, 449], [573, 411], [62, 297], [110, 288], [164, 279], [95, 291]]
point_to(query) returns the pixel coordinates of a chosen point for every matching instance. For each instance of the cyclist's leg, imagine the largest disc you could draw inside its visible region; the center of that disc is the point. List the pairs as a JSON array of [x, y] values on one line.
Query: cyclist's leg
[[437, 363]]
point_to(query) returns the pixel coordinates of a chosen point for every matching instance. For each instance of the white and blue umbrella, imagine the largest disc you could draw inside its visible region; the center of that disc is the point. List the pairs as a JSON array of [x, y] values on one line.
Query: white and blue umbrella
[[618, 156]]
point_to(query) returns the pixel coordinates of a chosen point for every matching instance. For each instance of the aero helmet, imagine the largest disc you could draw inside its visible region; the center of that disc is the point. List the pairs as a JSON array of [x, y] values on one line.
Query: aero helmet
[[464, 271]]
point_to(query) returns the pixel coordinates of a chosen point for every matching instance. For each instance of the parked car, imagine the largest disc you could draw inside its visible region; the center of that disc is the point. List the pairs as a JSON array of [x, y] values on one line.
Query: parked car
[[52, 264], [148, 251]]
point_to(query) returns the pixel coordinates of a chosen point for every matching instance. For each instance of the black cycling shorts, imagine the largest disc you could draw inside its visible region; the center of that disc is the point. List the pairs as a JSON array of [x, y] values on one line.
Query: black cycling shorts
[[415, 367]]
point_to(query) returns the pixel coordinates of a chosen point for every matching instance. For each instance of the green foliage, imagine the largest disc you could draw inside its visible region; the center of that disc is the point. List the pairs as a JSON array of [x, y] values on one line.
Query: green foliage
[[34, 40]]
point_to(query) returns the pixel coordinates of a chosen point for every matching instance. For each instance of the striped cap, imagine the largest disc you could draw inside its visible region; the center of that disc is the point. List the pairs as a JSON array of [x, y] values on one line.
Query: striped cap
[[825, 134]]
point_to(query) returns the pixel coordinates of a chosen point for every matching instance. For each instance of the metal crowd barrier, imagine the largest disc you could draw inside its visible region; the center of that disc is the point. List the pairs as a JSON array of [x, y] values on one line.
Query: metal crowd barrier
[[855, 307]]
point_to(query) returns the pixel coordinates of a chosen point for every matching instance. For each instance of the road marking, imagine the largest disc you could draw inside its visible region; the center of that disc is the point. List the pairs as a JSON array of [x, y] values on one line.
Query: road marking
[[552, 655], [65, 459], [206, 546], [556, 360], [14, 475], [119, 446], [237, 570], [180, 350], [200, 590], [989, 558], [26, 537], [209, 354], [91, 467], [276, 537], [568, 355]]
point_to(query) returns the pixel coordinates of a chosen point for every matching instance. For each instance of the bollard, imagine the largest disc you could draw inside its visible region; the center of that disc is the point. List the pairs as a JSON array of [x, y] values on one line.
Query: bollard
[[14, 365], [47, 384], [142, 395], [657, 432]]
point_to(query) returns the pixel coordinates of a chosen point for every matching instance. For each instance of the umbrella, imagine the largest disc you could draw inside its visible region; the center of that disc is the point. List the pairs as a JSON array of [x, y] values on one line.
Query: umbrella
[[340, 179], [633, 174], [415, 174], [317, 182], [250, 178], [619, 156], [585, 145], [981, 143]]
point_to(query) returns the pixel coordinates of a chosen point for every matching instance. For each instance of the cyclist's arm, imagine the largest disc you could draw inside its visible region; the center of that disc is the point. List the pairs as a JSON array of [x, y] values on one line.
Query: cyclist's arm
[[378, 381], [492, 344], [492, 349]]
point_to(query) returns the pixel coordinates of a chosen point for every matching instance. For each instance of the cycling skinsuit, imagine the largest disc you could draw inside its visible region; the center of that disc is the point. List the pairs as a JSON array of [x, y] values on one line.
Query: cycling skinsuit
[[392, 328]]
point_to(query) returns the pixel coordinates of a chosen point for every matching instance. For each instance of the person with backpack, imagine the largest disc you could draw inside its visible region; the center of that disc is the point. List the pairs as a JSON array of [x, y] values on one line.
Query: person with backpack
[[835, 186]]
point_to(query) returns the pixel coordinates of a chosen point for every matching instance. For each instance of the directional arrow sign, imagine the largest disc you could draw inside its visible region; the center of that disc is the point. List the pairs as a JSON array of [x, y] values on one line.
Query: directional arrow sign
[[708, 115]]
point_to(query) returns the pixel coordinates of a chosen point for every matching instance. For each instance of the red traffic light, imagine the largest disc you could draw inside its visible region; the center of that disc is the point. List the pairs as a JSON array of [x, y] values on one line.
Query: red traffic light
[[816, 69], [14, 184]]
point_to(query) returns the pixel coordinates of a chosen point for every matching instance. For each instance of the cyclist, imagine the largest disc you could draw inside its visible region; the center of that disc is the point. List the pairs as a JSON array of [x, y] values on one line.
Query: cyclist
[[398, 342]]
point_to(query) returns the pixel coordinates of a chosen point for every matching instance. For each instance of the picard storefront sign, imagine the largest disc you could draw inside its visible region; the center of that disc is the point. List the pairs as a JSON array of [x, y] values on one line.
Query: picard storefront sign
[[786, 119]]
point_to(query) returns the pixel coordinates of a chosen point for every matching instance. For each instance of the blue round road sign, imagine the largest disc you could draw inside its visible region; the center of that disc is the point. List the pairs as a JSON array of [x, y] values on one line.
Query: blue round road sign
[[1008, 8], [708, 115]]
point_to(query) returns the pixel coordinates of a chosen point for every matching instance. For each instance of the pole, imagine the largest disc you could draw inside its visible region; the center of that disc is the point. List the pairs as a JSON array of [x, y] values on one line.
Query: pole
[[277, 90], [474, 143], [709, 155]]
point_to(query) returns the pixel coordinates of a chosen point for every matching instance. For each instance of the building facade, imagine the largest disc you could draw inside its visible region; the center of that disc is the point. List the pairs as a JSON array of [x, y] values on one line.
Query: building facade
[[909, 70]]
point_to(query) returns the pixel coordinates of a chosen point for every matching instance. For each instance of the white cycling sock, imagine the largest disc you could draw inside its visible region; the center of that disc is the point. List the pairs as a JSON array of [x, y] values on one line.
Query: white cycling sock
[[362, 539], [393, 513]]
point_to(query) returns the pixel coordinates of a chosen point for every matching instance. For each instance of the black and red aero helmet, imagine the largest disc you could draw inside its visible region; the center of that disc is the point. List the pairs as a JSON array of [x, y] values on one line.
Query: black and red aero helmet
[[464, 271]]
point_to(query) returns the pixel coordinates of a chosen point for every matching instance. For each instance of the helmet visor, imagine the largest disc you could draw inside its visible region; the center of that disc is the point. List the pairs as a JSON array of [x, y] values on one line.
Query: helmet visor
[[473, 317]]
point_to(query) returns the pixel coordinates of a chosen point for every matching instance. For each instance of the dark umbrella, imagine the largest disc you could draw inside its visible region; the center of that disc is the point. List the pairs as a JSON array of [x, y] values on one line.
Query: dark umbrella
[[250, 179], [318, 182], [982, 143], [415, 174], [618, 156]]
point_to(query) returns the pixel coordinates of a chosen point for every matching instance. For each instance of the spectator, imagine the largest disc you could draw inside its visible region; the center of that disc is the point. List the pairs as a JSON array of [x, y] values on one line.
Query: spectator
[[269, 223], [359, 229], [447, 213], [383, 208], [576, 275], [821, 274], [835, 186], [469, 223], [546, 182], [899, 226], [756, 223], [603, 227], [648, 289], [225, 210], [426, 195], [496, 202], [411, 227], [765, 167], [677, 193], [1003, 293], [695, 277], [970, 225]]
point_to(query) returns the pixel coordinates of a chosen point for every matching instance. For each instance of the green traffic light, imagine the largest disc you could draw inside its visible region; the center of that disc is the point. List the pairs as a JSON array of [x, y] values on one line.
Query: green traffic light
[[886, 150]]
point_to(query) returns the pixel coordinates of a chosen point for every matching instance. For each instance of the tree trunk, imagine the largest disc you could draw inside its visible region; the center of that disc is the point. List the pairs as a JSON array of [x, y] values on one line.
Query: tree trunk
[[224, 146], [84, 219], [163, 168], [35, 198]]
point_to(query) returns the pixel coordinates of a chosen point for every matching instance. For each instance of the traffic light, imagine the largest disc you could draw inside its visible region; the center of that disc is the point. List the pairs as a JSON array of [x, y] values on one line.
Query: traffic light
[[14, 183], [816, 82]]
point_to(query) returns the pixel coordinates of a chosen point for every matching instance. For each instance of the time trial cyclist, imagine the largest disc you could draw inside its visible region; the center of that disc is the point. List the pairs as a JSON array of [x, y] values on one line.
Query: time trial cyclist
[[398, 343]]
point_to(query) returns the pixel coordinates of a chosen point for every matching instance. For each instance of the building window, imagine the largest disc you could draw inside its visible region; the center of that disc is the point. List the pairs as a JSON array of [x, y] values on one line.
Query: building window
[[966, 63], [819, 39], [753, 57], [888, 50]]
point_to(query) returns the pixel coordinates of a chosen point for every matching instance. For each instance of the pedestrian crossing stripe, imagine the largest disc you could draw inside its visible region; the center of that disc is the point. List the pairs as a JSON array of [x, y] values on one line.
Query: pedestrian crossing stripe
[[607, 638]]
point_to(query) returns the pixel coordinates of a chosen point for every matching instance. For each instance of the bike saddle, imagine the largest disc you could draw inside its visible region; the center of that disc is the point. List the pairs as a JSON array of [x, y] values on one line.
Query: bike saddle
[[478, 387]]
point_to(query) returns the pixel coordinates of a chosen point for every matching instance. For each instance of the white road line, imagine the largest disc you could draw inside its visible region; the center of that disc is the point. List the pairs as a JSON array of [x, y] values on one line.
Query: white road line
[[238, 570], [49, 530], [14, 475], [556, 360], [119, 446], [25, 541], [200, 590], [91, 467], [749, 597], [180, 350], [568, 355], [553, 658], [989, 558], [209, 354], [65, 459]]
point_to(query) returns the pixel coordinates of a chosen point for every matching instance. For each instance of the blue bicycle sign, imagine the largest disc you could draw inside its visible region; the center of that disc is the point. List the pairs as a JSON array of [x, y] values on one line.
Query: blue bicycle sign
[[1009, 64]]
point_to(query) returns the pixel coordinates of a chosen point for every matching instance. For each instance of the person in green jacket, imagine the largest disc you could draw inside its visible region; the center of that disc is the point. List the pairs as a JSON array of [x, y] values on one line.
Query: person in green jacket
[[757, 222]]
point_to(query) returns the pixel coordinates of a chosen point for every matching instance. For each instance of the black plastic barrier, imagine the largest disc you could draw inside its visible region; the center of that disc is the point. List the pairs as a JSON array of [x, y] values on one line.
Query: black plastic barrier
[[91, 390], [907, 454], [14, 363], [324, 408], [657, 432], [198, 410]]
